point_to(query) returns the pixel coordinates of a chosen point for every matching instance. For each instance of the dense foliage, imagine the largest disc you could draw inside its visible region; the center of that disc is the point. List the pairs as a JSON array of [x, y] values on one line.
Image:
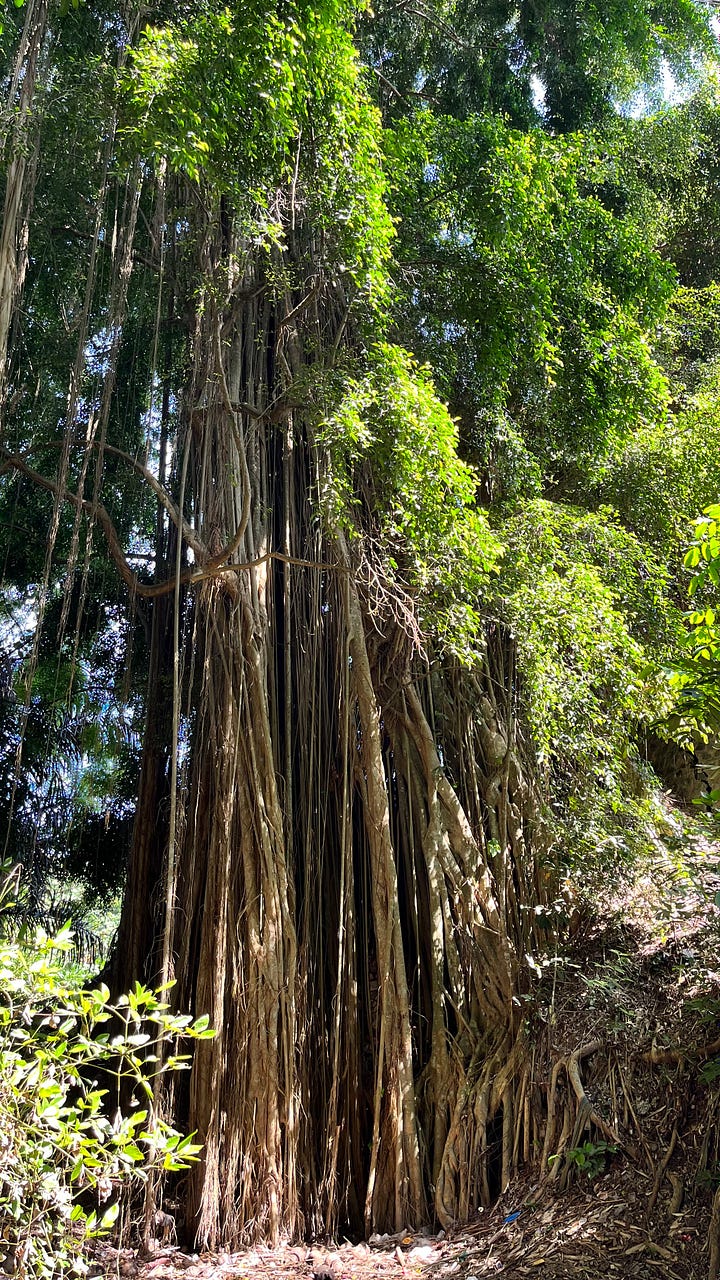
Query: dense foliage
[[697, 675]]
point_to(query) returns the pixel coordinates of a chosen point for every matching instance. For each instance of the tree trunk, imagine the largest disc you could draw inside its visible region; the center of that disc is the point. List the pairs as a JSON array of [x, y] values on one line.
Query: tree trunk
[[343, 913]]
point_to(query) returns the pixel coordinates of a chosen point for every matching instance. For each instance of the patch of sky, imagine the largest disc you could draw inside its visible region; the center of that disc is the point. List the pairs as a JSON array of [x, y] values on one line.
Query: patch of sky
[[539, 91], [97, 352], [454, 236], [452, 331], [184, 740], [669, 91], [18, 621]]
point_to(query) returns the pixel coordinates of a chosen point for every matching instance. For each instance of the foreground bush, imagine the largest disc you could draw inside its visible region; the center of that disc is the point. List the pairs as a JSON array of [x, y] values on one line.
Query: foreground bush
[[68, 1146]]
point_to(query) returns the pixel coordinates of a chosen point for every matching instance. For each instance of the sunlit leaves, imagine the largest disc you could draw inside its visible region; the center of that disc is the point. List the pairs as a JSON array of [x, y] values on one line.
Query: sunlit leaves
[[424, 519], [252, 101], [695, 677], [587, 603], [67, 1146], [531, 299]]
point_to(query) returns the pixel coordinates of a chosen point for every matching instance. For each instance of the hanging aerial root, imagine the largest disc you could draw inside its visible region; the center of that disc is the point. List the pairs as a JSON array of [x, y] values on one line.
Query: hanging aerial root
[[545, 1167]]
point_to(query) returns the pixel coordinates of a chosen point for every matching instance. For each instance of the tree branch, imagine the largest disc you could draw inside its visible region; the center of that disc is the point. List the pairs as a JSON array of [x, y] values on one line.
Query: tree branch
[[18, 463], [181, 524], [147, 591]]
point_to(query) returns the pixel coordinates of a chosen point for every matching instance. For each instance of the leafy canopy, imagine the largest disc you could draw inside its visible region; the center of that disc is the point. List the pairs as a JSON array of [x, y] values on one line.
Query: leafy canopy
[[531, 300], [254, 99], [396, 473]]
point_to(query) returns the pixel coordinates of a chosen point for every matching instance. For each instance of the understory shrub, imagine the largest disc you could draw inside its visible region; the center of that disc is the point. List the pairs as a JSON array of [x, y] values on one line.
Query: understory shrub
[[69, 1142]]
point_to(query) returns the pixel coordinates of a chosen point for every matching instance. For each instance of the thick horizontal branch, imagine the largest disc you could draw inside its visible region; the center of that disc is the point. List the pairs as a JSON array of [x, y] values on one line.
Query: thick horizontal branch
[[676, 1057], [14, 461], [301, 306], [17, 463], [192, 577], [409, 93], [182, 526], [74, 233]]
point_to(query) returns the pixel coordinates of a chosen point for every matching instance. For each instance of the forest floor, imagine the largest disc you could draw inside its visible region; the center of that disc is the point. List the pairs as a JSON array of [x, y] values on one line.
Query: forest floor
[[642, 977]]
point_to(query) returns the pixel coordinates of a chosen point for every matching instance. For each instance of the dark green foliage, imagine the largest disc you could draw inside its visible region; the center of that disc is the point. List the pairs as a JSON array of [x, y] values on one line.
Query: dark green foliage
[[531, 300], [566, 63]]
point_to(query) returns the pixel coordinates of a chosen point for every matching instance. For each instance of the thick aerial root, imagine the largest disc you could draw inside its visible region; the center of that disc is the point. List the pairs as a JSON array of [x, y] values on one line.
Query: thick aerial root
[[550, 1126], [497, 1126], [587, 1111], [489, 1127], [578, 1115], [677, 1057]]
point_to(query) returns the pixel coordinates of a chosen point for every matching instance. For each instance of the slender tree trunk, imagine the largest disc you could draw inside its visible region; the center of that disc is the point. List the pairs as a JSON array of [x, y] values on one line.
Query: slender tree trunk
[[21, 148]]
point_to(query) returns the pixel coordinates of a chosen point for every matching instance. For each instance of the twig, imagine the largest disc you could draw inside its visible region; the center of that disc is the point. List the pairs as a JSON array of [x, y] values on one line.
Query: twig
[[676, 1199], [714, 1238], [652, 1198], [636, 1122]]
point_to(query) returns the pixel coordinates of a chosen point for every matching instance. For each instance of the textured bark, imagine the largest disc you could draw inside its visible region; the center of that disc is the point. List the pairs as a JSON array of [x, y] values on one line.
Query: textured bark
[[344, 913]]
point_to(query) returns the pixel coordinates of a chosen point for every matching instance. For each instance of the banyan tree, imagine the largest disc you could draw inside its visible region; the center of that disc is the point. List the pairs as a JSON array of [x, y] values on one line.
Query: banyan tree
[[338, 844]]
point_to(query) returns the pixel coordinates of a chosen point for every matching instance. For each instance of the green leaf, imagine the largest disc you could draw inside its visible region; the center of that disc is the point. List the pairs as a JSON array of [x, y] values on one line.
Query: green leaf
[[110, 1217], [130, 1151]]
